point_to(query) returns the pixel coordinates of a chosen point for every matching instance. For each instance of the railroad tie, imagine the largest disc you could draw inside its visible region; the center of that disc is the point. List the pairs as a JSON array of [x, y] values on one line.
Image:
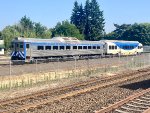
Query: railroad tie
[[143, 100], [140, 103], [137, 106], [120, 111], [131, 109]]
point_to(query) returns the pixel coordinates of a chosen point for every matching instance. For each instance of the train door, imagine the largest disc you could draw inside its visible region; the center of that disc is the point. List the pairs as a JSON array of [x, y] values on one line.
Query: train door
[[28, 50], [104, 48]]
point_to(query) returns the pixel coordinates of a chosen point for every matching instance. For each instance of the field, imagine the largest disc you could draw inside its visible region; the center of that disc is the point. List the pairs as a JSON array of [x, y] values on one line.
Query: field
[[28, 78], [21, 80]]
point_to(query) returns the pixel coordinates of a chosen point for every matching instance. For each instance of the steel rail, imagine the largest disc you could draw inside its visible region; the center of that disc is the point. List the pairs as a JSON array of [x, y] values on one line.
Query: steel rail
[[124, 101], [75, 93]]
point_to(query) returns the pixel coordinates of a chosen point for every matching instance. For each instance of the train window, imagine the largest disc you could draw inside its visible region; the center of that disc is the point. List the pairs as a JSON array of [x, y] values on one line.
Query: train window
[[21, 46], [115, 47], [74, 47], [109, 47], [84, 47], [94, 47], [17, 45], [140, 47], [67, 47], [79, 47], [27, 46], [89, 47], [62, 47], [47, 47], [98, 47], [40, 47], [55, 47]]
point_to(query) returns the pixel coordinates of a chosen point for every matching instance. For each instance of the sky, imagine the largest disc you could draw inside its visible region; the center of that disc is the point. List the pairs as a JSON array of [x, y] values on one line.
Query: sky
[[49, 12]]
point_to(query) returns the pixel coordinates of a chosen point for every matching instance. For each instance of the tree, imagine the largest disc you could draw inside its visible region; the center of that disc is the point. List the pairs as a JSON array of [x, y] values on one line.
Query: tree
[[27, 26], [26, 23], [90, 20], [120, 29], [75, 14], [87, 29], [8, 33], [78, 17], [1, 36], [134, 32], [39, 29], [97, 21], [66, 29]]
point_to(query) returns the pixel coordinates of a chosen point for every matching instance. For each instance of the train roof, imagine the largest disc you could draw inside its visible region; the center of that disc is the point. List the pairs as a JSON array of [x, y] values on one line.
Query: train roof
[[119, 41], [72, 40]]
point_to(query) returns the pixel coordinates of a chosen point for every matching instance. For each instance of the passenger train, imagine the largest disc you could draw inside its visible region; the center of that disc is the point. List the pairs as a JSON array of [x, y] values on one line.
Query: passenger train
[[29, 49]]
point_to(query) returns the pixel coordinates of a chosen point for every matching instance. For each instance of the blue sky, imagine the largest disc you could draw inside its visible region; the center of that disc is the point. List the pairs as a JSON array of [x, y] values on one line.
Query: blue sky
[[49, 12]]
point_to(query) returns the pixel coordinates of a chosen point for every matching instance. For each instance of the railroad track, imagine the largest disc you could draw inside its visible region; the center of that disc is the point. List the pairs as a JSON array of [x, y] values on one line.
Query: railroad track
[[49, 96], [137, 103]]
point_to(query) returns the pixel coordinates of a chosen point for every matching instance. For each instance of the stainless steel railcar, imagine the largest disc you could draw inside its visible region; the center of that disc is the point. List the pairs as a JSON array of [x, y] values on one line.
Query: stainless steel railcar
[[28, 49]]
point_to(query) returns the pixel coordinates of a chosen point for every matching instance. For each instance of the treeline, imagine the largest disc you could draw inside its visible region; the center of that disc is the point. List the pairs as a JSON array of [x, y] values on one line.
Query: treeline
[[29, 29], [86, 23], [24, 28], [131, 32]]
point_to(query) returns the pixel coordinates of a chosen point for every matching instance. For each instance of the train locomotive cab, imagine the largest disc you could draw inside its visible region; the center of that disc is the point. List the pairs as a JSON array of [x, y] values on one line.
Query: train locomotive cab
[[18, 50], [120, 47]]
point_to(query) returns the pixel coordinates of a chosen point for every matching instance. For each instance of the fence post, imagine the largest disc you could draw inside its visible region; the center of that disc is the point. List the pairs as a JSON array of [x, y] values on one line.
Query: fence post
[[57, 65], [75, 66], [88, 66], [36, 64], [148, 59], [10, 67]]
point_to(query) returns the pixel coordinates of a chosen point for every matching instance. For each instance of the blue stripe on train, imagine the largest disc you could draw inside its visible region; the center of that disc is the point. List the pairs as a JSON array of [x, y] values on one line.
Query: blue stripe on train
[[122, 44]]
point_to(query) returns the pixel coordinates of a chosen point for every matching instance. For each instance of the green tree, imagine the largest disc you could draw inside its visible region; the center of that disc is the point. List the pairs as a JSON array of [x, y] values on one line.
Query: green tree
[[87, 29], [137, 32], [8, 33], [134, 32], [39, 30], [75, 14], [78, 17], [66, 29], [97, 21], [90, 20], [1, 35], [26, 26], [120, 29]]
